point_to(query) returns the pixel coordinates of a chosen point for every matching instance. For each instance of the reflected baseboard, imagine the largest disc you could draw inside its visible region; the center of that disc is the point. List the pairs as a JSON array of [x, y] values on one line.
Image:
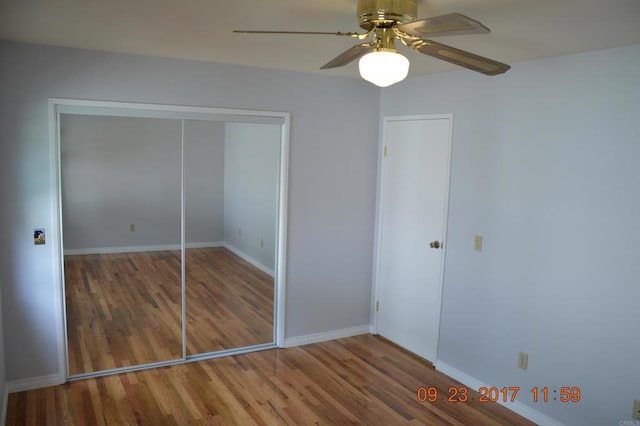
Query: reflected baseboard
[[248, 258], [326, 335], [205, 244], [137, 249], [170, 247]]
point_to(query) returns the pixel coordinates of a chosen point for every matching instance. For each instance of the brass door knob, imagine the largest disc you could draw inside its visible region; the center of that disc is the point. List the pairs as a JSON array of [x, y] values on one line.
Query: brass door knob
[[435, 244]]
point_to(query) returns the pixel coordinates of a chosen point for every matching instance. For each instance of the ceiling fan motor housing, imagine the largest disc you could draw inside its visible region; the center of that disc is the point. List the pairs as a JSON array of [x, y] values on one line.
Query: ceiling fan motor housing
[[372, 13]]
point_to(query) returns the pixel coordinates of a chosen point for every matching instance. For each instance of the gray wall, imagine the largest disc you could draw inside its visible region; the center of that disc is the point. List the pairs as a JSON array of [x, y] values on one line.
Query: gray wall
[[204, 181], [3, 372], [118, 171], [546, 165], [331, 188], [252, 159]]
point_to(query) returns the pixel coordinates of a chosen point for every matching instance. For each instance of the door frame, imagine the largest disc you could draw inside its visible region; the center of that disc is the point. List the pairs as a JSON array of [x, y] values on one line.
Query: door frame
[[179, 112], [375, 294]]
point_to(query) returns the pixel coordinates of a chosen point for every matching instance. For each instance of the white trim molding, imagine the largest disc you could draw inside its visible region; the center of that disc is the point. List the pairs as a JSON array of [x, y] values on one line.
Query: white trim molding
[[517, 407]]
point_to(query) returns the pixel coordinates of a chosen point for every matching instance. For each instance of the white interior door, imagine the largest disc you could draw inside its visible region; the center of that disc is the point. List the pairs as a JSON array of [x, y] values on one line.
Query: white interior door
[[413, 199]]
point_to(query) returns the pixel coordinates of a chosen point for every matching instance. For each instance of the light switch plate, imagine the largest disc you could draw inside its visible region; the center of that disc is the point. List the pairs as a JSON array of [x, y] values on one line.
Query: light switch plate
[[477, 243]]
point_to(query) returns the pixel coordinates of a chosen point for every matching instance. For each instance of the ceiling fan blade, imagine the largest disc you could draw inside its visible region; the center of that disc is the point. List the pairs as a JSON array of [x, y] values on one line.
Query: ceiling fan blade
[[348, 56], [297, 32], [443, 25], [460, 57]]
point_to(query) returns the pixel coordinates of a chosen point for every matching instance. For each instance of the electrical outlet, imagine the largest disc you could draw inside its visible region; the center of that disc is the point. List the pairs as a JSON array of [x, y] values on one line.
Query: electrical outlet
[[477, 243], [523, 360], [636, 410], [132, 227]]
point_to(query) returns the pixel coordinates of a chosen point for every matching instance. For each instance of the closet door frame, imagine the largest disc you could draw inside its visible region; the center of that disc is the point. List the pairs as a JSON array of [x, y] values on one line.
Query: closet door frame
[[59, 106]]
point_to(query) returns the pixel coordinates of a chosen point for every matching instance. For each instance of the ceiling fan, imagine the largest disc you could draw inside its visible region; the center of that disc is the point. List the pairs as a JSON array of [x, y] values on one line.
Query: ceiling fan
[[388, 21]]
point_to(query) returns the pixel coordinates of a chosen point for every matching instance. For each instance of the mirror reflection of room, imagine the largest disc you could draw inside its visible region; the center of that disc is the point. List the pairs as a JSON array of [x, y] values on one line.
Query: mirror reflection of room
[[231, 193], [123, 182]]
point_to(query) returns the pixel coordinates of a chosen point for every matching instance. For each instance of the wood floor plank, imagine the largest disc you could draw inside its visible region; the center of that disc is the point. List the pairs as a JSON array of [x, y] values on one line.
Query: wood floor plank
[[357, 380]]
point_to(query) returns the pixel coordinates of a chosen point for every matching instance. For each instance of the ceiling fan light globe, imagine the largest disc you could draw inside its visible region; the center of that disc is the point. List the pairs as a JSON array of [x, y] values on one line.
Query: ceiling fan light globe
[[383, 68]]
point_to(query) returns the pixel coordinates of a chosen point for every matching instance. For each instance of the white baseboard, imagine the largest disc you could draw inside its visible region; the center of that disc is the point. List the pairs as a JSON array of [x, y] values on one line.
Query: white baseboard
[[326, 335], [137, 249], [249, 259], [34, 383], [517, 407]]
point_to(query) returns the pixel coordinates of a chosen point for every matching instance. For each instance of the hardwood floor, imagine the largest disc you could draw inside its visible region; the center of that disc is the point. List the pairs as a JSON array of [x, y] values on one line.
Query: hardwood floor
[[125, 309], [357, 380]]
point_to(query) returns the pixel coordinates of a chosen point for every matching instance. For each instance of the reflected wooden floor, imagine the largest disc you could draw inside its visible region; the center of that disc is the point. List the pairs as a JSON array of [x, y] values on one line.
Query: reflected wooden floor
[[229, 302], [357, 380], [125, 309]]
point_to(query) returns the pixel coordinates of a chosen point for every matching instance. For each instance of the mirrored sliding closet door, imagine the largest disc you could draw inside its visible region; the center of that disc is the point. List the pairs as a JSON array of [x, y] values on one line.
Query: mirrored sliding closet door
[[172, 225], [231, 205], [121, 192]]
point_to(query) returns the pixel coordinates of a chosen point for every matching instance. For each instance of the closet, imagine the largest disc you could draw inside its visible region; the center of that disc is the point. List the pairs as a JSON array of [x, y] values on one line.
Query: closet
[[171, 230]]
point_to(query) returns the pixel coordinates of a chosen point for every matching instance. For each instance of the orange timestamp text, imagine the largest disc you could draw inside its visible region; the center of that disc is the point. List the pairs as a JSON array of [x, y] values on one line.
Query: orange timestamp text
[[496, 394]]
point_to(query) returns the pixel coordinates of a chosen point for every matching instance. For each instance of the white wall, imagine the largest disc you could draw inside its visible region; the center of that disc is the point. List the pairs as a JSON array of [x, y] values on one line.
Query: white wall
[[546, 165], [252, 160], [331, 187]]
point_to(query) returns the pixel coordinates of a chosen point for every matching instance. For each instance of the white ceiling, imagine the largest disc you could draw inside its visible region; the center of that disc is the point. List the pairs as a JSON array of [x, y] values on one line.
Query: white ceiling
[[202, 29]]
